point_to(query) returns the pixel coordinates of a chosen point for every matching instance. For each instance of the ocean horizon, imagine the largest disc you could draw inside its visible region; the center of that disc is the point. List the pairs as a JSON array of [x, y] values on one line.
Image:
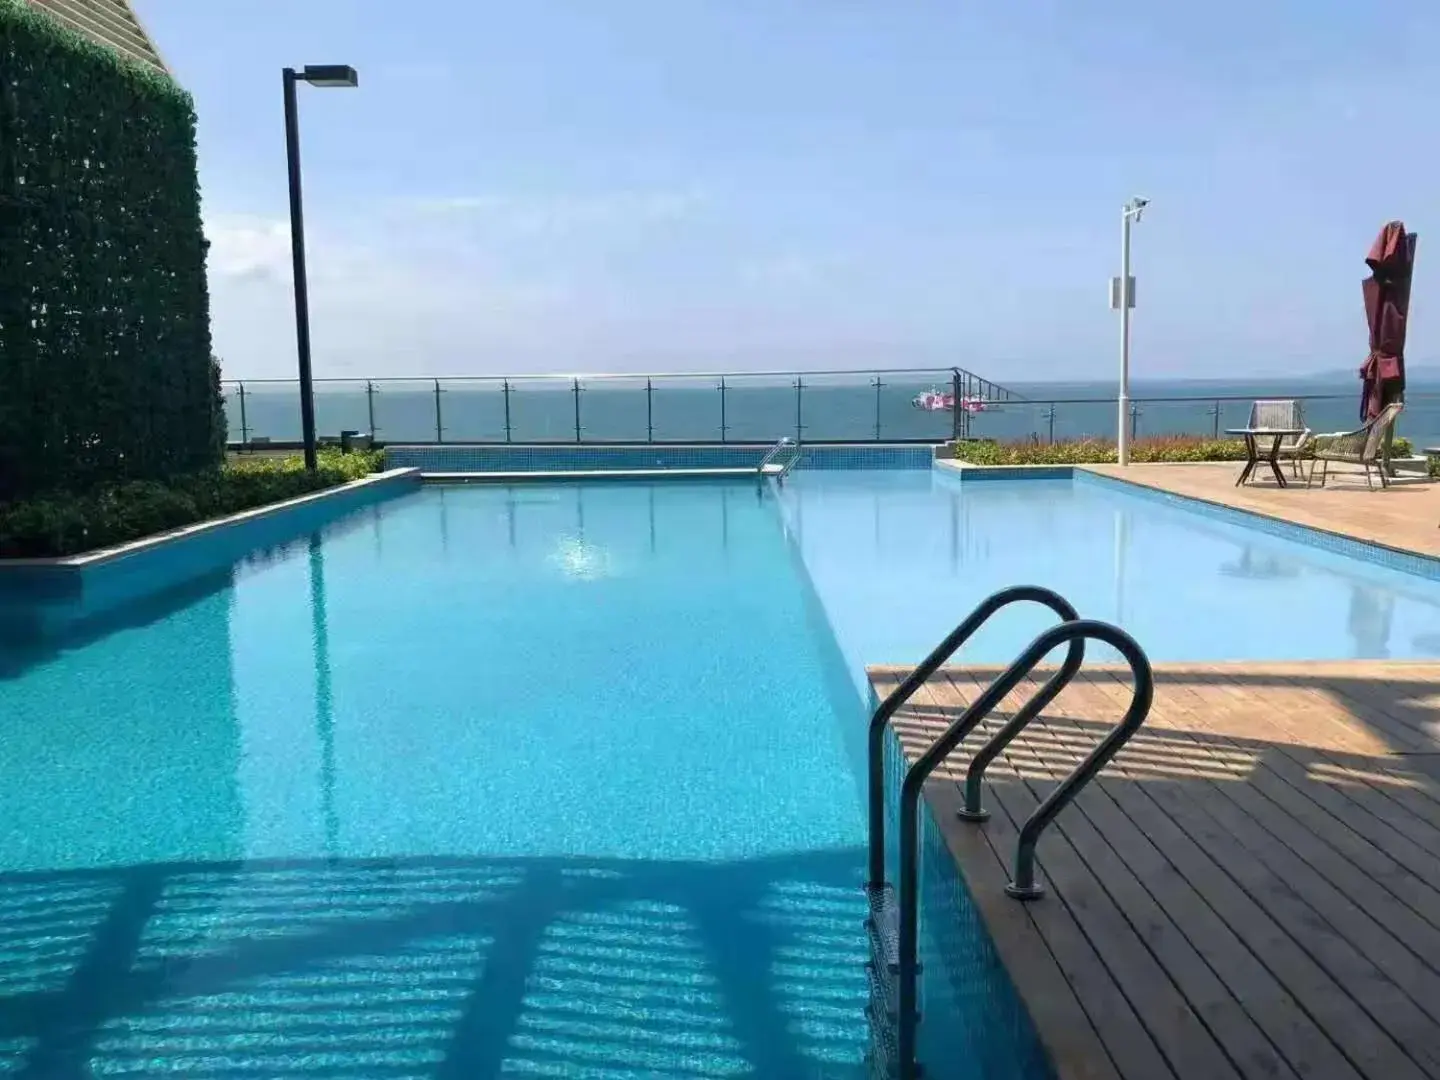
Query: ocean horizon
[[861, 406]]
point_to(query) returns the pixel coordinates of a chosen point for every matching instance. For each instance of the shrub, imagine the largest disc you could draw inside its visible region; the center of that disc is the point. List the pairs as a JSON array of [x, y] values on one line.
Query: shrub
[[1095, 451], [104, 308], [67, 524]]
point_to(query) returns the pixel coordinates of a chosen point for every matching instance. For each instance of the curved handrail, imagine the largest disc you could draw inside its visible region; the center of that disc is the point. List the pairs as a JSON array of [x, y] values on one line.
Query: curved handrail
[[917, 678], [1023, 885], [772, 453]]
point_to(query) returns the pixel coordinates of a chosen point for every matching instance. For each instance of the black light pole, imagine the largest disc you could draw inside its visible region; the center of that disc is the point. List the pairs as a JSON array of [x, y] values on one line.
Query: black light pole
[[315, 75]]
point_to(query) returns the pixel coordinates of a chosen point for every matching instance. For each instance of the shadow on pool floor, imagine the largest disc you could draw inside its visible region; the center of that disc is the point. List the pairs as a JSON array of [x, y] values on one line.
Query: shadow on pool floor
[[436, 967]]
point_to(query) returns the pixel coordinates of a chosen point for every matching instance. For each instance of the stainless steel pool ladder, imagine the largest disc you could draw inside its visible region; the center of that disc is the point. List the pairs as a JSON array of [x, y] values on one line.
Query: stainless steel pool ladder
[[893, 923], [774, 453]]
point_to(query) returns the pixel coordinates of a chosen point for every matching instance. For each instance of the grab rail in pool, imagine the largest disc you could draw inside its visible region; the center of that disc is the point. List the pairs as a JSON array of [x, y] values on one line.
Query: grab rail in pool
[[774, 452], [895, 933], [882, 924]]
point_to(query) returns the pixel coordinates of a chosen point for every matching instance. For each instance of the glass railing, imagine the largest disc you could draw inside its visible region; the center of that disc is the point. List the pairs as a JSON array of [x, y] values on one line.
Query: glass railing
[[848, 406], [1207, 417]]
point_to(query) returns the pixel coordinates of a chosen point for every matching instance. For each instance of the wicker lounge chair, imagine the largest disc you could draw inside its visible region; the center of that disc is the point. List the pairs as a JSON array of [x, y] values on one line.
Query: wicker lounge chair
[[1362, 447], [1284, 415]]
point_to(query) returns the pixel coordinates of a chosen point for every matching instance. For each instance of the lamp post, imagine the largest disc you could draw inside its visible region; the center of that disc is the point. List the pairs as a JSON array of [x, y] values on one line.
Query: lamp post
[[1122, 296], [316, 75]]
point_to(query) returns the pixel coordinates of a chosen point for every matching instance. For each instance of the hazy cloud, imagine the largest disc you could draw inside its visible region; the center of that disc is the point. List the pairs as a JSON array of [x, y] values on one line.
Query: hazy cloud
[[564, 213]]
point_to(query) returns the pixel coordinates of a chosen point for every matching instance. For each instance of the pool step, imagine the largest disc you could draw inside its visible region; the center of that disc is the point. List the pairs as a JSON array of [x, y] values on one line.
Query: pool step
[[882, 928]]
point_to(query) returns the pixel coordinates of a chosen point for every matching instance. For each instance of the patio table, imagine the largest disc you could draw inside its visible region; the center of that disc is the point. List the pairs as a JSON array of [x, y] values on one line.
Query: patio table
[[1254, 455]]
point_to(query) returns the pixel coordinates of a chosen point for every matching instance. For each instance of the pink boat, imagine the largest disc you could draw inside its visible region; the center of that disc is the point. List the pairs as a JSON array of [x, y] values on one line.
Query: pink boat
[[944, 401]]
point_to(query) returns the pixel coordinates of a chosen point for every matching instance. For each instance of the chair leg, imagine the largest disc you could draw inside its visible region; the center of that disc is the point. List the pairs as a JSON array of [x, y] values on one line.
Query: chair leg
[[1369, 483]]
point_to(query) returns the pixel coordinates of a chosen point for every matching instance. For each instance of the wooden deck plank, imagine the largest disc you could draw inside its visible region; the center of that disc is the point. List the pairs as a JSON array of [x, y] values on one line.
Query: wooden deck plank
[[1125, 1038], [1354, 1038], [1288, 845], [1237, 1046], [1326, 932], [1251, 888]]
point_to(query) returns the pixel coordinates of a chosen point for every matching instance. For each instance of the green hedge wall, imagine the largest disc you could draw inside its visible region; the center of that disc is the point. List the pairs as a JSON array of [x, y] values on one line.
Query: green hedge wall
[[106, 371]]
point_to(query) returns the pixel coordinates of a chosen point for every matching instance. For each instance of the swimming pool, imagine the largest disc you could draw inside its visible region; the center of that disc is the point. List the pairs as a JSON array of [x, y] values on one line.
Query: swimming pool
[[922, 549], [556, 780], [480, 782]]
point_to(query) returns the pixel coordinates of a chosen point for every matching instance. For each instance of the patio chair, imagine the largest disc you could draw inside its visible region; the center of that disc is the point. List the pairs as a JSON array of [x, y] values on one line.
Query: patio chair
[[1362, 447], [1284, 415]]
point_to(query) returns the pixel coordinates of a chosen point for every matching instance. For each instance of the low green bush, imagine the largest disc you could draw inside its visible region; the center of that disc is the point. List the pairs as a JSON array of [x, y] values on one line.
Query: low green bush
[[69, 524], [1095, 451]]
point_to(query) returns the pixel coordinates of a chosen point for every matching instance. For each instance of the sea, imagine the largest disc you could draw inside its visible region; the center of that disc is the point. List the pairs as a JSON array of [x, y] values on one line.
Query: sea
[[829, 407]]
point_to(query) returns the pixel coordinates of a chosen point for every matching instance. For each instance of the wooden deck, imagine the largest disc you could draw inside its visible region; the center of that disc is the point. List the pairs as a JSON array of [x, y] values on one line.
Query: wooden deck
[[1405, 515], [1250, 889]]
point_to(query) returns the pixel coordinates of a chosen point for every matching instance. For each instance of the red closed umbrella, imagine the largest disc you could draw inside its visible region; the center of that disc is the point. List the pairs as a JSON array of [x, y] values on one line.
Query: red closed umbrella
[[1387, 309]]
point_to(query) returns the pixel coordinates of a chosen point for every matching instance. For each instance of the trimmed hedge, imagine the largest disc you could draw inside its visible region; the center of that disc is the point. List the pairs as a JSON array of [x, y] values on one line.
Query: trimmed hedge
[[106, 372], [1089, 451], [66, 524]]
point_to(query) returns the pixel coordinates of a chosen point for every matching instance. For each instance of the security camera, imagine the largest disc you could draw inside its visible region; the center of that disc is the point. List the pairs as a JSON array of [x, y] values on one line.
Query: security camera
[[1140, 203]]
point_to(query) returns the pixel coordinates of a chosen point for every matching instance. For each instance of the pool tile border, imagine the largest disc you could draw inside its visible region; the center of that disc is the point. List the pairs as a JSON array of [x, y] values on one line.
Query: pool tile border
[[559, 459]]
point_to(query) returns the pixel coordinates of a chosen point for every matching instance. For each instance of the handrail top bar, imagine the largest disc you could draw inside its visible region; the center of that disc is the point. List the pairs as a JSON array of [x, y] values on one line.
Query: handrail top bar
[[554, 376]]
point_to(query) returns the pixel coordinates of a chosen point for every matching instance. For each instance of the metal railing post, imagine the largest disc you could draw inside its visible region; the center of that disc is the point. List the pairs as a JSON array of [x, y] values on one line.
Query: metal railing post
[[1050, 417], [505, 389], [649, 411], [878, 385], [244, 422], [576, 389], [799, 399], [957, 414], [723, 427], [370, 405], [439, 427]]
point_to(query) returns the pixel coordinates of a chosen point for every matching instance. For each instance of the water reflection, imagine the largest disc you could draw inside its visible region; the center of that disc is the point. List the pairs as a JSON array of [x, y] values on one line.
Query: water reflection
[[324, 693], [1372, 614], [1258, 565]]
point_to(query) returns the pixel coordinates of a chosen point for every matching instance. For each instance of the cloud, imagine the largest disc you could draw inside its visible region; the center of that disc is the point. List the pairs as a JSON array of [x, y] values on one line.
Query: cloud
[[378, 305], [791, 270], [560, 214], [246, 247]]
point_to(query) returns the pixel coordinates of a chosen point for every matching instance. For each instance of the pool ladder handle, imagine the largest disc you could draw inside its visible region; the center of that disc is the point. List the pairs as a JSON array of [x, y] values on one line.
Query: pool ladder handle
[[894, 928], [785, 443]]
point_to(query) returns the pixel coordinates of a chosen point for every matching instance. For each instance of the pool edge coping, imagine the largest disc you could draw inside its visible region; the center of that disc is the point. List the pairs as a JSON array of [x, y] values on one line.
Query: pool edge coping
[[104, 556]]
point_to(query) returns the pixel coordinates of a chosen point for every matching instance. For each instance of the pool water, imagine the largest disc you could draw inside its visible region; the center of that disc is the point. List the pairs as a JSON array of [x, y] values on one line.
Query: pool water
[[551, 781], [899, 557], [558, 780]]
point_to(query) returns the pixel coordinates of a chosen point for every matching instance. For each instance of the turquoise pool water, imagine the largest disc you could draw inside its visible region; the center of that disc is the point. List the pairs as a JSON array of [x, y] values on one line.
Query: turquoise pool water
[[558, 780], [552, 781], [899, 557]]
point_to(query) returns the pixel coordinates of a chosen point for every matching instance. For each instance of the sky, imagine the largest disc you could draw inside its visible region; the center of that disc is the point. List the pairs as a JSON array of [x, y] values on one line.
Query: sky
[[705, 185]]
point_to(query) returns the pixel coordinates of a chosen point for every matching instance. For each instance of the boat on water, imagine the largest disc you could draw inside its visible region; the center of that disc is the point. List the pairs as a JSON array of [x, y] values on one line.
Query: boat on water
[[944, 401]]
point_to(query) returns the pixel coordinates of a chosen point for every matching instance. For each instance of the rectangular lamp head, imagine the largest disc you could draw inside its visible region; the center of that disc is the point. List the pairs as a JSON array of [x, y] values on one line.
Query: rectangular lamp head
[[330, 75]]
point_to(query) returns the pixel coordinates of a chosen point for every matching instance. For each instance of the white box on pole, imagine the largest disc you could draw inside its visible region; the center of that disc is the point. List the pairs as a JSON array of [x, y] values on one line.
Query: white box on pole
[[1115, 293]]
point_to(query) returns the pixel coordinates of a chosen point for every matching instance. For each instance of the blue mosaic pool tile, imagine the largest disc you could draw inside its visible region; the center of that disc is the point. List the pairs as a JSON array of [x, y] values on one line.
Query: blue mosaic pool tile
[[983, 474], [1404, 561], [483, 459]]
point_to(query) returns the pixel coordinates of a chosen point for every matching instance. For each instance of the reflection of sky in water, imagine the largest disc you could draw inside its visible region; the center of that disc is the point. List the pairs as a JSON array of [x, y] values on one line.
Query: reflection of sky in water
[[898, 558]]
